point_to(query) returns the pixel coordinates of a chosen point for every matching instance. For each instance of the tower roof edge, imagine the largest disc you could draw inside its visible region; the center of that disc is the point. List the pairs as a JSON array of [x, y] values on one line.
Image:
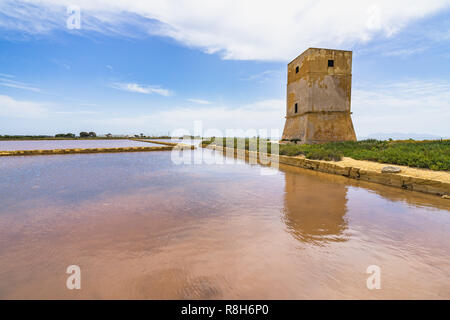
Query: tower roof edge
[[312, 49]]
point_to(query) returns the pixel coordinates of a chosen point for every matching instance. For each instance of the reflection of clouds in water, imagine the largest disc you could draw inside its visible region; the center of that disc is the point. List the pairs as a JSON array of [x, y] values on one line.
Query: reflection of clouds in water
[[315, 211]]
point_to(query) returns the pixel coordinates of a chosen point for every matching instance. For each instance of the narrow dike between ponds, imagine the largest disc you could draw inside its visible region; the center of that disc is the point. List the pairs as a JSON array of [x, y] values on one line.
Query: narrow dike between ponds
[[166, 146]]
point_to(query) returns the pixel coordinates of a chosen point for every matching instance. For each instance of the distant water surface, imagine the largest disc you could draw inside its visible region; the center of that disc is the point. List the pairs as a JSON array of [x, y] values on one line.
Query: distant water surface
[[9, 145]]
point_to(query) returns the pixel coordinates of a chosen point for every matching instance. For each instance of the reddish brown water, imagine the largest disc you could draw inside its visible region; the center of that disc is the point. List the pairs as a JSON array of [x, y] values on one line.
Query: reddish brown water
[[8, 145], [142, 227]]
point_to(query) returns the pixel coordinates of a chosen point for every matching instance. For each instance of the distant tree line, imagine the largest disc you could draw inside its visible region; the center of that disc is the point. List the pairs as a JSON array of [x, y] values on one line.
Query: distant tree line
[[23, 137], [65, 135], [84, 134]]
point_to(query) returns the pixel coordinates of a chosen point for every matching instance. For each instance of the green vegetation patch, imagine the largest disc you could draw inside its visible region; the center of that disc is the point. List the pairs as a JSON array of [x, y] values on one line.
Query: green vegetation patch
[[430, 154]]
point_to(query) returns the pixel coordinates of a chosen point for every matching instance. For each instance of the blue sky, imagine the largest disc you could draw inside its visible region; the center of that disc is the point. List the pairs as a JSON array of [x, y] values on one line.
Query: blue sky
[[157, 66]]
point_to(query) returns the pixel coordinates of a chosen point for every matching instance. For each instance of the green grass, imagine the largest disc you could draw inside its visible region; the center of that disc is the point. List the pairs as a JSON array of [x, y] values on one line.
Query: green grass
[[433, 154]]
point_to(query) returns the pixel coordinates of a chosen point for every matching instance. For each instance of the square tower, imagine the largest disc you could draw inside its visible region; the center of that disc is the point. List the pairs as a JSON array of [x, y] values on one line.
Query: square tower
[[319, 89]]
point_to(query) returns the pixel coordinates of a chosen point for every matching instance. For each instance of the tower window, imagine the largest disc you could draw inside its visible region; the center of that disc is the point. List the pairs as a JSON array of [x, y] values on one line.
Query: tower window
[[330, 63], [296, 107], [296, 69]]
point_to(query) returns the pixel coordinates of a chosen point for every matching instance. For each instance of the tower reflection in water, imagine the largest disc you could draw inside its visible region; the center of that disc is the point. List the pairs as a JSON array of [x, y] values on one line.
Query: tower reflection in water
[[315, 208]]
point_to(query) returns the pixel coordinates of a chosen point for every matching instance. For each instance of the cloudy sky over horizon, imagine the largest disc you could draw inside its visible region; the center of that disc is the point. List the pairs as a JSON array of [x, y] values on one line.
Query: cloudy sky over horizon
[[156, 66]]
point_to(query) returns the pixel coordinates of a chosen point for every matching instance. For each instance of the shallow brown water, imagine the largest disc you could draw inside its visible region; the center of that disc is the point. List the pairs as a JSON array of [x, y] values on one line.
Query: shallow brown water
[[140, 226]]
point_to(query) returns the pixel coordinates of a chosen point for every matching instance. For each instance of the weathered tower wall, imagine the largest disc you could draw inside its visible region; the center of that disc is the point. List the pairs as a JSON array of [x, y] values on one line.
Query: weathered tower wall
[[319, 97]]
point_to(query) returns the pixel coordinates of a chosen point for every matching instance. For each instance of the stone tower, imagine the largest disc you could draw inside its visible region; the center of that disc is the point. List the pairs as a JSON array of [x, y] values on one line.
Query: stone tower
[[319, 96]]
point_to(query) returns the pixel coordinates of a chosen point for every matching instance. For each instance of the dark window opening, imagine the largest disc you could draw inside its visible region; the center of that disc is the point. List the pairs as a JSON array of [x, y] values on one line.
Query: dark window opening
[[296, 107], [296, 69], [330, 63]]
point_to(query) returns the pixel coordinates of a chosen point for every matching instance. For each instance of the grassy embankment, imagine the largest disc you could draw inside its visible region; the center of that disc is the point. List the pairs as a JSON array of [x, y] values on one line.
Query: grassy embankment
[[430, 154]]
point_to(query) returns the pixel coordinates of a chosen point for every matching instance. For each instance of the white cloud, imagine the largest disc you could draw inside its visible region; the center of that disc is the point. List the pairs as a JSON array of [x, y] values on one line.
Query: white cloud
[[86, 104], [199, 101], [410, 106], [7, 81], [82, 112], [266, 114], [145, 89], [10, 107], [264, 76], [404, 52], [261, 30]]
